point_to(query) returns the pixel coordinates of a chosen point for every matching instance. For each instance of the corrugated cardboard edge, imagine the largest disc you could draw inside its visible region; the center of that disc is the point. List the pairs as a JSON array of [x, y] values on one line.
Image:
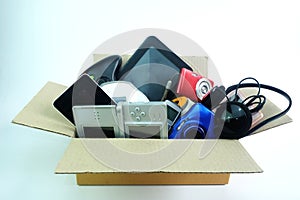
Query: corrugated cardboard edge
[[198, 156], [152, 179], [269, 110], [39, 112], [215, 168]]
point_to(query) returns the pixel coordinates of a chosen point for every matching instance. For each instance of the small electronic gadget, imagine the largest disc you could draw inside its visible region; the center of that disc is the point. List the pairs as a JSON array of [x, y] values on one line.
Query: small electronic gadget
[[123, 91], [184, 103], [84, 91], [240, 97], [151, 67], [97, 121], [173, 113], [214, 97], [105, 69], [144, 120], [197, 123], [193, 86], [218, 95]]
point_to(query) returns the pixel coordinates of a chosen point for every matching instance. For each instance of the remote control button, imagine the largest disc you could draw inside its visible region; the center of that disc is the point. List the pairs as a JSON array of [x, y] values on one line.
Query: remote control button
[[137, 109], [132, 114], [143, 114], [138, 118]]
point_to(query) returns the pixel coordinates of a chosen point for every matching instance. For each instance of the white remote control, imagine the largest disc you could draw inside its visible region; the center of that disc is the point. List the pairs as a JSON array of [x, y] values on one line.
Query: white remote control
[[144, 119]]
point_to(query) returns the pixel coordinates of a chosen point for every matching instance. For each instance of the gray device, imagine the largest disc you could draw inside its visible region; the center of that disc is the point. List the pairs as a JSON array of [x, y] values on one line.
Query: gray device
[[173, 112], [97, 121], [144, 119]]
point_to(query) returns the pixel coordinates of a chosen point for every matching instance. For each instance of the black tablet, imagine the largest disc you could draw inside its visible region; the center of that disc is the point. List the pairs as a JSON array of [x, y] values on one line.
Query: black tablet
[[151, 66], [84, 91]]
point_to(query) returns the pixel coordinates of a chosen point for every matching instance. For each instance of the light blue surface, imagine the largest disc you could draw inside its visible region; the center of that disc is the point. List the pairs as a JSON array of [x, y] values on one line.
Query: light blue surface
[[49, 40]]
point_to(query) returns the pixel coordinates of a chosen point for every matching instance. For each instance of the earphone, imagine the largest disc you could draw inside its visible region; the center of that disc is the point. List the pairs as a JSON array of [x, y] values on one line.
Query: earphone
[[233, 119]]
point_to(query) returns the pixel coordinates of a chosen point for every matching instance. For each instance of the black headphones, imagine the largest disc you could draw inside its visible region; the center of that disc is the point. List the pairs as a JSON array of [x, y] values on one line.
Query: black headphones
[[233, 119]]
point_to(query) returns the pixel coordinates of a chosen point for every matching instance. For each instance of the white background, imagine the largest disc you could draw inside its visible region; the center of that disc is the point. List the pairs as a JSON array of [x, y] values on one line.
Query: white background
[[50, 40]]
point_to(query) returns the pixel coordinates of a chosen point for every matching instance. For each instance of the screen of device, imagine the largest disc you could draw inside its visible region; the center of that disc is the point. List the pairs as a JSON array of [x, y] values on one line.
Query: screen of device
[[158, 65], [172, 113], [99, 132], [84, 91], [151, 131], [152, 56], [153, 50]]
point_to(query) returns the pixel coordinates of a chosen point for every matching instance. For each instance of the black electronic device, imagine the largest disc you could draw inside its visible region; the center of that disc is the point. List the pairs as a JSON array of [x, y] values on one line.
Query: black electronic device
[[151, 67], [104, 70], [233, 119], [84, 91], [214, 97]]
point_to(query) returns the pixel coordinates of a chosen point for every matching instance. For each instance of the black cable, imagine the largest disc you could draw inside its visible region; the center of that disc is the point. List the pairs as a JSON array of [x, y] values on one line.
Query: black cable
[[268, 87], [238, 86]]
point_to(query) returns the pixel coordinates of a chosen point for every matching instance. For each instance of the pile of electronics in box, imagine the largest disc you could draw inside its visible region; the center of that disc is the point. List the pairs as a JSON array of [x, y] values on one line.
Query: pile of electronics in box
[[155, 94]]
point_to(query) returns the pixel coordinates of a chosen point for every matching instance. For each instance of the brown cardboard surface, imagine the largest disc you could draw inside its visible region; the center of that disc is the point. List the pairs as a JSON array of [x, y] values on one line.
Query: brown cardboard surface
[[151, 179], [269, 110], [223, 156], [40, 113]]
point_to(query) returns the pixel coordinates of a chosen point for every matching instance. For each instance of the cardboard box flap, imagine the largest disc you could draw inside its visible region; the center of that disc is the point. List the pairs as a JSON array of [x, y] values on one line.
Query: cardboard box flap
[[140, 155], [268, 110], [40, 113]]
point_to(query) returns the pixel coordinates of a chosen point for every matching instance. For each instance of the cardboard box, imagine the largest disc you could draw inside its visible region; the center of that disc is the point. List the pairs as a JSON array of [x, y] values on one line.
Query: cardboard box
[[201, 161]]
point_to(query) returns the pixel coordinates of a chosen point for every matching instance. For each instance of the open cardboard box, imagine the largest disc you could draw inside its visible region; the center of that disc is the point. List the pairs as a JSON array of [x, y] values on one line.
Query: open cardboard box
[[201, 161]]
